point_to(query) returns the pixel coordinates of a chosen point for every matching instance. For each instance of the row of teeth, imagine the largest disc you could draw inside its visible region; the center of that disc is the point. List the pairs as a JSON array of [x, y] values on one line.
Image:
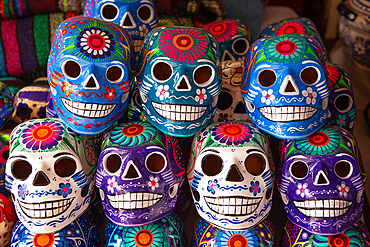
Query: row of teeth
[[233, 206], [287, 113], [326, 213], [130, 201], [179, 112], [320, 204], [137, 44], [88, 110], [45, 210], [238, 201]]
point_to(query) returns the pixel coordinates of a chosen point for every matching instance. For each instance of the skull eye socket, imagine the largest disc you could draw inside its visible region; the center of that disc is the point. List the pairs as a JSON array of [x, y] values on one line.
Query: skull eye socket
[[343, 103], [225, 100], [212, 165], [310, 75], [145, 13], [114, 74], [21, 169], [255, 164], [23, 110], [113, 163], [155, 162], [266, 78], [162, 71], [65, 167], [71, 69], [240, 46], [203, 75], [343, 169], [299, 169], [109, 12]]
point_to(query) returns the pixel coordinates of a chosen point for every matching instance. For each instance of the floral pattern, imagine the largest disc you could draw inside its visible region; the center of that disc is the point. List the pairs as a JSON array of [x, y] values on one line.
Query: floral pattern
[[153, 182], [333, 75], [237, 238], [22, 191], [143, 30], [64, 189], [112, 184], [147, 235], [110, 93], [348, 238], [302, 190], [255, 187], [222, 117], [213, 186], [310, 95], [231, 133], [132, 134], [95, 42], [162, 92], [341, 120], [343, 190], [285, 49], [222, 30], [201, 95], [292, 27], [67, 88], [267, 96]]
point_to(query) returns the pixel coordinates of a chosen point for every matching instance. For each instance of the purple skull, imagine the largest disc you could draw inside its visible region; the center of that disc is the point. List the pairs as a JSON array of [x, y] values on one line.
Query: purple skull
[[322, 181], [140, 174]]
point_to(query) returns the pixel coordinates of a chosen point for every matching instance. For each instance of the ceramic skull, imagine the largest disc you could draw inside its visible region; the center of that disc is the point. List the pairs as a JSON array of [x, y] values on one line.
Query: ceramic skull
[[90, 72], [50, 173], [4, 154], [322, 181], [6, 104], [140, 174], [285, 86], [233, 37], [231, 175], [138, 17], [8, 218], [230, 105], [178, 79], [342, 109]]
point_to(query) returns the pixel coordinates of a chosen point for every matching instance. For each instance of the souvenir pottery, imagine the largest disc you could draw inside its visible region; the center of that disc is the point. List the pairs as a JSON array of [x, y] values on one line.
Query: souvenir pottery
[[8, 218], [13, 83], [4, 154], [342, 110], [137, 17], [168, 231], [6, 104], [50, 173], [355, 236], [140, 174], [41, 81], [233, 37], [178, 79], [135, 109], [285, 87], [79, 233], [90, 71], [230, 105], [322, 181], [231, 175], [208, 235], [299, 25], [30, 103]]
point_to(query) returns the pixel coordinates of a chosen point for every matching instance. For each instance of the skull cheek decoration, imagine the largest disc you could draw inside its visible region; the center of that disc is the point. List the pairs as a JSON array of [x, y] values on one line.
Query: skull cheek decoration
[[178, 79], [230, 175], [138, 17], [284, 86], [322, 181], [90, 61], [233, 37], [140, 174], [50, 173]]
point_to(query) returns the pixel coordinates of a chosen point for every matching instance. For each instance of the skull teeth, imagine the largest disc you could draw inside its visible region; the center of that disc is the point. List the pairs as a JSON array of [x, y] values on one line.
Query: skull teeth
[[137, 44], [45, 209], [180, 113], [287, 113], [88, 110], [134, 201], [327, 208], [233, 206]]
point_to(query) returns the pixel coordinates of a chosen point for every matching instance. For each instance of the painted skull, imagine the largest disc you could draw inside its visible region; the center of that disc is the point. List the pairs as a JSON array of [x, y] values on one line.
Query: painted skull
[[6, 104], [231, 176], [30, 103], [140, 174], [8, 218], [298, 25], [230, 105], [50, 173], [90, 72], [285, 87], [322, 181], [233, 37], [179, 80], [138, 17], [168, 231], [4, 154], [13, 83], [342, 110]]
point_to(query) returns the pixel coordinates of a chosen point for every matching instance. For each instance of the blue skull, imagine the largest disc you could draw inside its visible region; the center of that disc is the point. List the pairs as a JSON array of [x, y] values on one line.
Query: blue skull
[[179, 80], [285, 87], [138, 17], [90, 72]]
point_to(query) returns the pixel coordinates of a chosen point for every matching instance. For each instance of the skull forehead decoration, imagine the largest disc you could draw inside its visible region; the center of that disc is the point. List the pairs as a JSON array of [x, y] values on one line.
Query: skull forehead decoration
[[231, 175], [230, 105], [138, 17], [140, 174], [90, 72], [342, 109], [7, 220], [4, 154], [233, 37], [6, 104], [299, 25], [285, 87], [50, 173], [179, 80], [322, 181]]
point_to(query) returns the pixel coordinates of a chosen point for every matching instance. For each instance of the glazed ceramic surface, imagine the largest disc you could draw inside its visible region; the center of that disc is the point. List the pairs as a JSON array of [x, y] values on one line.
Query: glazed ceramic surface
[[8, 218], [6, 104], [4, 155]]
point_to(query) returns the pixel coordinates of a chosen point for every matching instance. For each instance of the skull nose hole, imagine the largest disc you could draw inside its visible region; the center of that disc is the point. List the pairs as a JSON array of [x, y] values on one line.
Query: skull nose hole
[[183, 85], [127, 22], [131, 173], [240, 108], [322, 179], [196, 195], [91, 83], [234, 174], [41, 179], [227, 57], [289, 87]]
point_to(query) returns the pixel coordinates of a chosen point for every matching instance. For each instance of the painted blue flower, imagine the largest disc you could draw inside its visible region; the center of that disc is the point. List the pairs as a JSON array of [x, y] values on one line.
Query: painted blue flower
[[255, 188], [64, 189], [22, 191], [212, 186]]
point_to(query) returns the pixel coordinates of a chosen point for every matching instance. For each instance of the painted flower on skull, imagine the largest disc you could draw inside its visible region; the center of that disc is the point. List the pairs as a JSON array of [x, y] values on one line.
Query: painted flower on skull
[[231, 133], [95, 42], [132, 134]]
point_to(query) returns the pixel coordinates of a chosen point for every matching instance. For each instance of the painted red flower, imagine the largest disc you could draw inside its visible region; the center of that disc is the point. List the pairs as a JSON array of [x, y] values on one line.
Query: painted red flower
[[333, 75], [110, 93], [222, 30], [292, 27], [67, 88]]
